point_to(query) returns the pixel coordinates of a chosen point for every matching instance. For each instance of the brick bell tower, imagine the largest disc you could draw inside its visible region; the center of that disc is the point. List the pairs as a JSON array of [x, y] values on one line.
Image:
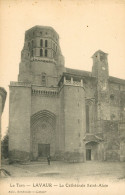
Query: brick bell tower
[[34, 100], [41, 58], [101, 72]]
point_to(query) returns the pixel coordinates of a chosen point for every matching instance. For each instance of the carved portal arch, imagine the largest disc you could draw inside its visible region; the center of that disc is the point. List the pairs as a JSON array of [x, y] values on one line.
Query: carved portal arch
[[43, 138]]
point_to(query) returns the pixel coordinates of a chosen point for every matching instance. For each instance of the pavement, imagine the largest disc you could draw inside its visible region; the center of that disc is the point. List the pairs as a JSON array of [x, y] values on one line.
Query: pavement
[[114, 171]]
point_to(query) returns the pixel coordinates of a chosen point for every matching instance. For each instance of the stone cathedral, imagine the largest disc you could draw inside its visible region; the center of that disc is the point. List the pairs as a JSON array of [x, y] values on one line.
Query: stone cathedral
[[71, 115]]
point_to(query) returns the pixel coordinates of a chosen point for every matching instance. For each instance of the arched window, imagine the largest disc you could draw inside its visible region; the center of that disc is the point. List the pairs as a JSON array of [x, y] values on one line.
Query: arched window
[[46, 43], [54, 46], [87, 118], [54, 54], [44, 79], [32, 53], [41, 42], [41, 52], [32, 43], [46, 52]]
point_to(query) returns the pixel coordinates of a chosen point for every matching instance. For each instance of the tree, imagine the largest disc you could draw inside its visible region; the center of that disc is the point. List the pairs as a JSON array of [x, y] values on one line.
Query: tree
[[4, 144]]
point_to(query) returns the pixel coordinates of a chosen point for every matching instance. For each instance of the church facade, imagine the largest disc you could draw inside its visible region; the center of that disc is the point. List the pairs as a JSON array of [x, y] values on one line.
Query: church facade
[[69, 114]]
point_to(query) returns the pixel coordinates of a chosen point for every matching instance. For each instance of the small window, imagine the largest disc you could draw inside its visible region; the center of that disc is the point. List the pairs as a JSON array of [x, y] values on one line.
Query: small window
[[54, 54], [41, 52], [46, 52], [54, 46], [29, 45], [112, 97], [46, 43], [112, 116], [41, 42]]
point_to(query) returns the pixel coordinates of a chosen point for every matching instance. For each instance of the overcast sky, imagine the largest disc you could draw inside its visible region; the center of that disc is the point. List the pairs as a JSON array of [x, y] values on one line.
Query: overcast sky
[[84, 27]]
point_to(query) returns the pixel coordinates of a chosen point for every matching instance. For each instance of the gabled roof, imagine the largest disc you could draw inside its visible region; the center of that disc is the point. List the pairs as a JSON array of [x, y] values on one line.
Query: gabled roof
[[92, 138]]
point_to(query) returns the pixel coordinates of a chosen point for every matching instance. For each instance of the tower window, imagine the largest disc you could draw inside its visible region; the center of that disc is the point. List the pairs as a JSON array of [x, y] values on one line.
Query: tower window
[[46, 52], [101, 57], [44, 79], [32, 43], [41, 52], [41, 42], [29, 45], [87, 119], [46, 43]]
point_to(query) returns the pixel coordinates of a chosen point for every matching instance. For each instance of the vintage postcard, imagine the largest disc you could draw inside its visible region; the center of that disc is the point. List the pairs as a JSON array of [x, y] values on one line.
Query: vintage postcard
[[62, 97]]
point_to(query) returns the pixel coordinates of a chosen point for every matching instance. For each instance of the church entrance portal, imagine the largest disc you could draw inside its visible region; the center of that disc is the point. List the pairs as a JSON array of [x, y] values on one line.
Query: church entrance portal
[[92, 151], [88, 154], [43, 126], [43, 150]]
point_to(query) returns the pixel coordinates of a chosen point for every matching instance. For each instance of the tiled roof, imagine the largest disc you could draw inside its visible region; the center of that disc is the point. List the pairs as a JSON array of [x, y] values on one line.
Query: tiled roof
[[89, 74], [78, 72], [116, 80]]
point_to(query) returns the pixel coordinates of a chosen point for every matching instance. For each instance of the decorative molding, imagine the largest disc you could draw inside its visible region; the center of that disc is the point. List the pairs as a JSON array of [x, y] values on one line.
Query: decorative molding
[[90, 101], [44, 92], [73, 83], [20, 84], [43, 114], [43, 60]]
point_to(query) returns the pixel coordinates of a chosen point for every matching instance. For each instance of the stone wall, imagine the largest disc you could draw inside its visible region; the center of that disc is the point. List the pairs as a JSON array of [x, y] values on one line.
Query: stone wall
[[19, 122], [74, 119], [111, 140]]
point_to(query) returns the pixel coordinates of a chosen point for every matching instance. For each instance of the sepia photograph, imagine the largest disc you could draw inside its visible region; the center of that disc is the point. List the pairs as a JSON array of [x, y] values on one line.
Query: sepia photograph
[[62, 97]]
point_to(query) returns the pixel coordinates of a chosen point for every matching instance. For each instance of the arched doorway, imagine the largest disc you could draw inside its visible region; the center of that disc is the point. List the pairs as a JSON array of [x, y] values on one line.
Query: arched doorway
[[91, 151], [43, 125]]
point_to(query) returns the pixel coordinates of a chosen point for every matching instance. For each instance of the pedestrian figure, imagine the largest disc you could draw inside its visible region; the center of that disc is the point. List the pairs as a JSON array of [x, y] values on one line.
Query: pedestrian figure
[[48, 159]]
